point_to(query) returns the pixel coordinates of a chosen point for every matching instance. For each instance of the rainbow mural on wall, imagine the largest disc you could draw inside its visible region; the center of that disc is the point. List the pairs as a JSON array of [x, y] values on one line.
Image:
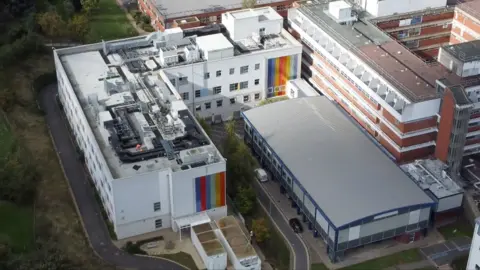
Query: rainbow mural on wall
[[280, 70], [210, 191]]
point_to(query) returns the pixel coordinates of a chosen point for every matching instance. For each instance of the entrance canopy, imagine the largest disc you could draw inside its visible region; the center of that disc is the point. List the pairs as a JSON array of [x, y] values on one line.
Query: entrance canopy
[[191, 220]]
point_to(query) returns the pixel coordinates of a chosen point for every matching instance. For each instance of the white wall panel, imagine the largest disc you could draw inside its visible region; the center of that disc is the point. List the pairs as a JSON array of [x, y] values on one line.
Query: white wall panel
[[331, 233], [322, 221], [414, 217], [309, 205], [297, 191], [449, 203], [354, 233]]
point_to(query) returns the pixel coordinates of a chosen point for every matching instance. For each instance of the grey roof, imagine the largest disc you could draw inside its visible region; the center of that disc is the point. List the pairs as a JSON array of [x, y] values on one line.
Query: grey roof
[[343, 171], [466, 51]]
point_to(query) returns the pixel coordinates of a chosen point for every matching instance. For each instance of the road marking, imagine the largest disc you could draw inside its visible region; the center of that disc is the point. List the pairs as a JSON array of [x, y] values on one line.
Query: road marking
[[286, 220]]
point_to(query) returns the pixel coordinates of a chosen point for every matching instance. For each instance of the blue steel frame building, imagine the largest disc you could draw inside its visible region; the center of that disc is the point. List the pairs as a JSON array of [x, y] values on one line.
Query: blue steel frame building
[[347, 190]]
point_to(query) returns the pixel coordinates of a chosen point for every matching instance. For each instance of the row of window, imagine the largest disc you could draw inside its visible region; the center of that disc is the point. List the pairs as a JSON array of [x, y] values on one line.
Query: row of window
[[219, 103], [218, 89], [218, 73]]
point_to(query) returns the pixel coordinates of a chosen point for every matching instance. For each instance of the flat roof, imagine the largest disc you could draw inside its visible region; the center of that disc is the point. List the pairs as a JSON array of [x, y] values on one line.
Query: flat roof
[[176, 9], [413, 78], [465, 52], [343, 171], [431, 175], [236, 237], [471, 7], [267, 13], [214, 42]]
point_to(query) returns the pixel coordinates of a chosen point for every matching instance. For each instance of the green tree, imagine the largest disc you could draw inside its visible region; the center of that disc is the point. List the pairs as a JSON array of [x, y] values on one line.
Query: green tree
[[205, 126], [79, 26], [249, 3], [260, 230], [245, 199], [89, 5], [51, 23]]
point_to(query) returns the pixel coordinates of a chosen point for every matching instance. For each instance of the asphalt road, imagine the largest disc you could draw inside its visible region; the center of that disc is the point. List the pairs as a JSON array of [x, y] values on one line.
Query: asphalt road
[[301, 260], [83, 194]]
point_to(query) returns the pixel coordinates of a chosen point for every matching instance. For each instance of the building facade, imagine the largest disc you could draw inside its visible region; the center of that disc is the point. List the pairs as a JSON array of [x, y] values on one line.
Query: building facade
[[166, 14], [150, 161], [423, 32], [466, 22], [236, 72], [474, 256], [351, 72], [306, 159]]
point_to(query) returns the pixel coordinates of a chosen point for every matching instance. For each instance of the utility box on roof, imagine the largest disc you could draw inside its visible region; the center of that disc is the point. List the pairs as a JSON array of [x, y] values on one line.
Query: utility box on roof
[[340, 10]]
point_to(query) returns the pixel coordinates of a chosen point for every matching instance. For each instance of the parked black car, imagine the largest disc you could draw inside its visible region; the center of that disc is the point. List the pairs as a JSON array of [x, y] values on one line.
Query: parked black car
[[296, 225]]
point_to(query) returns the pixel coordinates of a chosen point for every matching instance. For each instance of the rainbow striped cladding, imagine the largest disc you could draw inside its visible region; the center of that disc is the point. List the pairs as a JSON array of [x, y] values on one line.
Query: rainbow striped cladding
[[280, 70], [210, 191]]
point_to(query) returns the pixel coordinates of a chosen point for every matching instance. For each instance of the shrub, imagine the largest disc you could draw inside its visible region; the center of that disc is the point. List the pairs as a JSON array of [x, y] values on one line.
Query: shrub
[[145, 19], [148, 28], [132, 248]]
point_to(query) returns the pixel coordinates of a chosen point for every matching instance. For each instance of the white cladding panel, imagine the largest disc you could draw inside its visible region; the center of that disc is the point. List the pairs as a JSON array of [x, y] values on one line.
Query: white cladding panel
[[386, 224], [389, 7], [421, 110], [322, 221], [414, 217], [183, 188], [203, 77], [297, 191], [309, 205], [353, 233], [474, 256], [141, 226], [449, 203]]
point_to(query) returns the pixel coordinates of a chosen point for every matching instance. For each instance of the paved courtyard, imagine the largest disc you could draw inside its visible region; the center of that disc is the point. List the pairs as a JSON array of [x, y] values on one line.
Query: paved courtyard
[[444, 253]]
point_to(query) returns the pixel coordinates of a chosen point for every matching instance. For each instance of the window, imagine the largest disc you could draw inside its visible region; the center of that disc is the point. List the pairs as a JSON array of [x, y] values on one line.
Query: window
[[232, 71], [197, 93], [246, 98], [198, 108], [172, 81], [281, 7], [257, 96], [182, 80], [156, 206], [219, 103], [208, 105], [257, 66], [232, 101], [217, 90], [206, 75], [219, 73], [233, 86], [243, 69], [244, 85], [478, 231], [158, 223], [257, 81]]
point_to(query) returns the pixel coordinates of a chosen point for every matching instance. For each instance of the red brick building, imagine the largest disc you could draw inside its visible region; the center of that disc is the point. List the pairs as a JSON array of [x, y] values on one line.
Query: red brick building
[[194, 13]]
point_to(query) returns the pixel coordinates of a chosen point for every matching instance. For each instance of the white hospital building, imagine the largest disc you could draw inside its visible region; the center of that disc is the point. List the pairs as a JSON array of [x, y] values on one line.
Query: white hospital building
[[132, 106]]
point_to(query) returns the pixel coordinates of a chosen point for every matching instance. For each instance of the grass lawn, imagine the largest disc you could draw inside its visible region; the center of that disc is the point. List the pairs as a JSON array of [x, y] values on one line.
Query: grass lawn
[[109, 22], [407, 256], [182, 258], [16, 226], [460, 228], [318, 266]]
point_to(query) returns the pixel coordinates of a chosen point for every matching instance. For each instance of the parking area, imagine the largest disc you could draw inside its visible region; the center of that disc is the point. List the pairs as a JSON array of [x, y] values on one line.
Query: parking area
[[444, 253]]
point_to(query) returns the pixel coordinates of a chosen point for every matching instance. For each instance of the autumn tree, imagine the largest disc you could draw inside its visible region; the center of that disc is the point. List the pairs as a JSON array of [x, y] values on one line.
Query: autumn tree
[[51, 23], [89, 5], [78, 26], [260, 230]]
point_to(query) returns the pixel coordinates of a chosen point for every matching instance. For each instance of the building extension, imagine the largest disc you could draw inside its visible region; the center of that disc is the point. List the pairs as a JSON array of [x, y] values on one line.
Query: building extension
[[350, 193], [387, 85], [474, 256], [166, 14]]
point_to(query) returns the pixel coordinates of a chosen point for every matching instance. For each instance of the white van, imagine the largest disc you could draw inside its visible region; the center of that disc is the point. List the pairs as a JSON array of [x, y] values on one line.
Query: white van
[[261, 175]]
